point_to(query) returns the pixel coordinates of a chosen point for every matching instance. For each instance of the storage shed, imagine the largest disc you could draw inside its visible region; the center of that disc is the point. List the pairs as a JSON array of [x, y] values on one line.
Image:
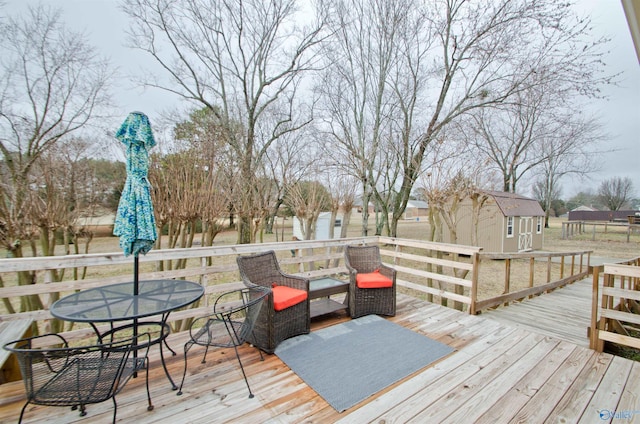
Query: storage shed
[[505, 223], [323, 226]]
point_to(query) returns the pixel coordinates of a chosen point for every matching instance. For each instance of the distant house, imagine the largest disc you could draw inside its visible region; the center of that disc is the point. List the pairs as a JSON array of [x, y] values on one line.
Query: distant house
[[416, 209], [585, 213], [358, 206], [583, 208], [505, 223]]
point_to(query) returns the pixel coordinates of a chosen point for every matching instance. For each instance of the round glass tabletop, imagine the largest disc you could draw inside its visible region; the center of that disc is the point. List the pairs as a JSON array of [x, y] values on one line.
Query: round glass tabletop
[[117, 302]]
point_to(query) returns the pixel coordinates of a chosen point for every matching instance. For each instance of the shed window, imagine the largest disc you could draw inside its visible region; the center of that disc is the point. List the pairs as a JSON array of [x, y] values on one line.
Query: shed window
[[509, 226], [539, 226]]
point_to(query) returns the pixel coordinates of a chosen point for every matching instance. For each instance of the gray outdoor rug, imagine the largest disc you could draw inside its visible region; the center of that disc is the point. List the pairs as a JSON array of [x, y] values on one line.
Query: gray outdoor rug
[[349, 362]]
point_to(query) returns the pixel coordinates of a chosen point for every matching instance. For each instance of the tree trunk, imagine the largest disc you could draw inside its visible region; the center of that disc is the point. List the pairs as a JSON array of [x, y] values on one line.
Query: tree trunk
[[244, 230]]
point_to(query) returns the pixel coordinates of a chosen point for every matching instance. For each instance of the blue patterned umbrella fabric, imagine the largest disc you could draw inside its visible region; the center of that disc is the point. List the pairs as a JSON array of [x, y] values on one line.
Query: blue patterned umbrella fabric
[[135, 223]]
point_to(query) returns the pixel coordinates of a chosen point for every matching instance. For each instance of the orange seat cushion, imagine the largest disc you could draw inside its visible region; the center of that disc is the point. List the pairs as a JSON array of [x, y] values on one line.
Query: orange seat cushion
[[373, 280], [284, 297]]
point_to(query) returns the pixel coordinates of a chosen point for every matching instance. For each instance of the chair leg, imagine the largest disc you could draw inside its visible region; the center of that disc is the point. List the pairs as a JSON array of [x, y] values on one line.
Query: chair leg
[[260, 352], [115, 409], [150, 405], [242, 369], [24, 408], [254, 345], [173, 352], [187, 346], [204, 357], [169, 347]]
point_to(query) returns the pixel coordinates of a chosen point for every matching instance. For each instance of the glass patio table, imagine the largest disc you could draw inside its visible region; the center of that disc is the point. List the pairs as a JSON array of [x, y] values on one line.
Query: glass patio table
[[117, 303]]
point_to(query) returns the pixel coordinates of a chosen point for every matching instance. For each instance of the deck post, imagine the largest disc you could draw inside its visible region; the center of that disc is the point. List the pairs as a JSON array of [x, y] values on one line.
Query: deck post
[[474, 283], [593, 328]]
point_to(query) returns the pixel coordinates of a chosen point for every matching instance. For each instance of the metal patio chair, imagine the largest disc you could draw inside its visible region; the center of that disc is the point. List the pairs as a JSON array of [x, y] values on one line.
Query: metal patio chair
[[228, 326], [77, 376]]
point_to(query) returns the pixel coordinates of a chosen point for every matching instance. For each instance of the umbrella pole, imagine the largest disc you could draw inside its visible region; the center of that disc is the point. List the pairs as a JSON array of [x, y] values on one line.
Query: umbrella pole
[[135, 320], [135, 275]]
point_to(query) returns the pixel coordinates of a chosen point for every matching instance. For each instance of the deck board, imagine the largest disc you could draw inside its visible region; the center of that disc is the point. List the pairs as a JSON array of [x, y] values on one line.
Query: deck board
[[485, 397], [630, 398], [607, 395], [542, 403], [564, 313], [500, 372], [505, 408], [455, 397], [574, 402]]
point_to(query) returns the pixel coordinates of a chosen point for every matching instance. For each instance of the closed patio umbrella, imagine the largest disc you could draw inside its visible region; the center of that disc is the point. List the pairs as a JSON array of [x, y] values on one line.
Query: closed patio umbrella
[[135, 223]]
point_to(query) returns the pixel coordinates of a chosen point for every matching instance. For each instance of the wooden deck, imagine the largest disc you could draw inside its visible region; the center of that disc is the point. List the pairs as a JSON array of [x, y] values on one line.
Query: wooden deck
[[500, 373], [540, 314]]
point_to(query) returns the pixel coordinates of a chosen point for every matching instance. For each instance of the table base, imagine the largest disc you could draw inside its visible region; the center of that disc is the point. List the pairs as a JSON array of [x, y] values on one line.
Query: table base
[[161, 339], [325, 306], [320, 296]]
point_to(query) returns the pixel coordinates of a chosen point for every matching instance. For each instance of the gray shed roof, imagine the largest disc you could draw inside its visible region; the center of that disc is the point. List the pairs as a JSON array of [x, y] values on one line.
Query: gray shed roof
[[512, 204], [417, 204]]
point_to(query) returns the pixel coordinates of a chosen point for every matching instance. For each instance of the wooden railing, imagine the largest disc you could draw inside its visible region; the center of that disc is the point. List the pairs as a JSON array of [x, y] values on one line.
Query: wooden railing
[[438, 271], [446, 274], [441, 272], [557, 272], [615, 315]]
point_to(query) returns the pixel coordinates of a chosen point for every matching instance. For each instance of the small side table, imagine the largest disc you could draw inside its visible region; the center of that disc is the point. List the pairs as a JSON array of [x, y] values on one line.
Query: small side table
[[320, 292]]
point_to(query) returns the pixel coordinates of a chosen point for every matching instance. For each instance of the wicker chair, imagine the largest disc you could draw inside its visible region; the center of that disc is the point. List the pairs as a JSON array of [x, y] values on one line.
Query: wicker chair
[[228, 325], [274, 326], [77, 376], [365, 301]]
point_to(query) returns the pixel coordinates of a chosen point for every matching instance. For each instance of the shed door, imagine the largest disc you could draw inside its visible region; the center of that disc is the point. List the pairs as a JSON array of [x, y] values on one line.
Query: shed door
[[525, 235]]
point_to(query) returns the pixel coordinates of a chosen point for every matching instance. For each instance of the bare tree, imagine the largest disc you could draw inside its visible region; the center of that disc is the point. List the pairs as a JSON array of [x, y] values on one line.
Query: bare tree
[[307, 199], [566, 150], [342, 190], [51, 84], [344, 198], [189, 184], [511, 135], [451, 180], [453, 57], [241, 60], [615, 192], [444, 203], [205, 136], [67, 191], [535, 131], [546, 191], [359, 90], [534, 46], [286, 163], [451, 175]]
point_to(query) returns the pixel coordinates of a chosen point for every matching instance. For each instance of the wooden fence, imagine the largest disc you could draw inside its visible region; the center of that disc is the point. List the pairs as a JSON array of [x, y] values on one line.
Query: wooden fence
[[571, 229], [615, 315], [442, 273]]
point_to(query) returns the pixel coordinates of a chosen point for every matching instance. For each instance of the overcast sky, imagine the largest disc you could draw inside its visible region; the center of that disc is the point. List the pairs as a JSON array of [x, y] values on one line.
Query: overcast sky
[[104, 23]]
